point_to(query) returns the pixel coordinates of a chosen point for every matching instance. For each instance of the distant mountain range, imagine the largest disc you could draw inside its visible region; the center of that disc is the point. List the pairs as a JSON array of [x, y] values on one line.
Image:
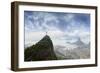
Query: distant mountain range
[[42, 50], [80, 44], [76, 50], [45, 50]]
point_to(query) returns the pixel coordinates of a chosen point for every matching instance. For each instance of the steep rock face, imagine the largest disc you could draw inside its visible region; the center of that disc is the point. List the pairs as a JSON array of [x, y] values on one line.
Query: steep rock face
[[43, 50]]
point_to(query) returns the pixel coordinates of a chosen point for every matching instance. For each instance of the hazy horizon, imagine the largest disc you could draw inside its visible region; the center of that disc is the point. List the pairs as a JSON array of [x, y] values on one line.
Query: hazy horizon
[[63, 28]]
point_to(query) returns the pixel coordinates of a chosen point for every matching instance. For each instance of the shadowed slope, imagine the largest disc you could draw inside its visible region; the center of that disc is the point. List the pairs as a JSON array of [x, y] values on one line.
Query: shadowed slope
[[43, 50]]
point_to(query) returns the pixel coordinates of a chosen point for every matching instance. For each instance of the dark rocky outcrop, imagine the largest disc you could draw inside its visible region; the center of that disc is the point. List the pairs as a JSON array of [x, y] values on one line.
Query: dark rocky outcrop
[[43, 50]]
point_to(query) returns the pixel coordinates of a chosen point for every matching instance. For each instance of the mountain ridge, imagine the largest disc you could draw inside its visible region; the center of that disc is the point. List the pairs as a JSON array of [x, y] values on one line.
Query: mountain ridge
[[42, 50]]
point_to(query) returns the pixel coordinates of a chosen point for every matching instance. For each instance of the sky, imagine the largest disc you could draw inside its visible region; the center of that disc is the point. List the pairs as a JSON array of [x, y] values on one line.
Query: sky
[[61, 27]]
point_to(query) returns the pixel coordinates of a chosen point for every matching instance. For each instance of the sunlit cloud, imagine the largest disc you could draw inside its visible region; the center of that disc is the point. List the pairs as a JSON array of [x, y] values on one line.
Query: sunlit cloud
[[61, 27]]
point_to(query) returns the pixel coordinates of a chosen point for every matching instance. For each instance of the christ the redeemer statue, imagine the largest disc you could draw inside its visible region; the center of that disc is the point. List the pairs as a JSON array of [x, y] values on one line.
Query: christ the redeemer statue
[[46, 33]]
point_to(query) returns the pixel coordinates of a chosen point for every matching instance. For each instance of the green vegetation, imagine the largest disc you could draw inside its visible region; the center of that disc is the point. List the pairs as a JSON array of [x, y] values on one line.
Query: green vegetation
[[43, 50]]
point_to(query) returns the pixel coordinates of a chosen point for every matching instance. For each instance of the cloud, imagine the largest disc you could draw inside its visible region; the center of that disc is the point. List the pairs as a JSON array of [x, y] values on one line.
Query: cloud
[[61, 27]]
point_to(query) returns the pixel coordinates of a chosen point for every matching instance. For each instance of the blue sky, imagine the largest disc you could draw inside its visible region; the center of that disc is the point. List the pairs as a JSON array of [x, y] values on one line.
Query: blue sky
[[61, 27]]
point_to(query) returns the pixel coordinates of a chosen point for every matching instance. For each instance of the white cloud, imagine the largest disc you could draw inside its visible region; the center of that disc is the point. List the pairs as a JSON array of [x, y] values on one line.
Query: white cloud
[[74, 30], [33, 37], [58, 37], [69, 17]]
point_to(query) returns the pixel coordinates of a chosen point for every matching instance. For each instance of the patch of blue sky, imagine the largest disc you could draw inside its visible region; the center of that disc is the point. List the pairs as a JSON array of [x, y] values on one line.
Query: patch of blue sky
[[55, 19], [75, 25]]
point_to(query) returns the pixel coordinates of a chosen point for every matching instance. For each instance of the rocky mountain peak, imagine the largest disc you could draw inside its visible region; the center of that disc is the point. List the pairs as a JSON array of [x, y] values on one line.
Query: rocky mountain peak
[[42, 50]]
